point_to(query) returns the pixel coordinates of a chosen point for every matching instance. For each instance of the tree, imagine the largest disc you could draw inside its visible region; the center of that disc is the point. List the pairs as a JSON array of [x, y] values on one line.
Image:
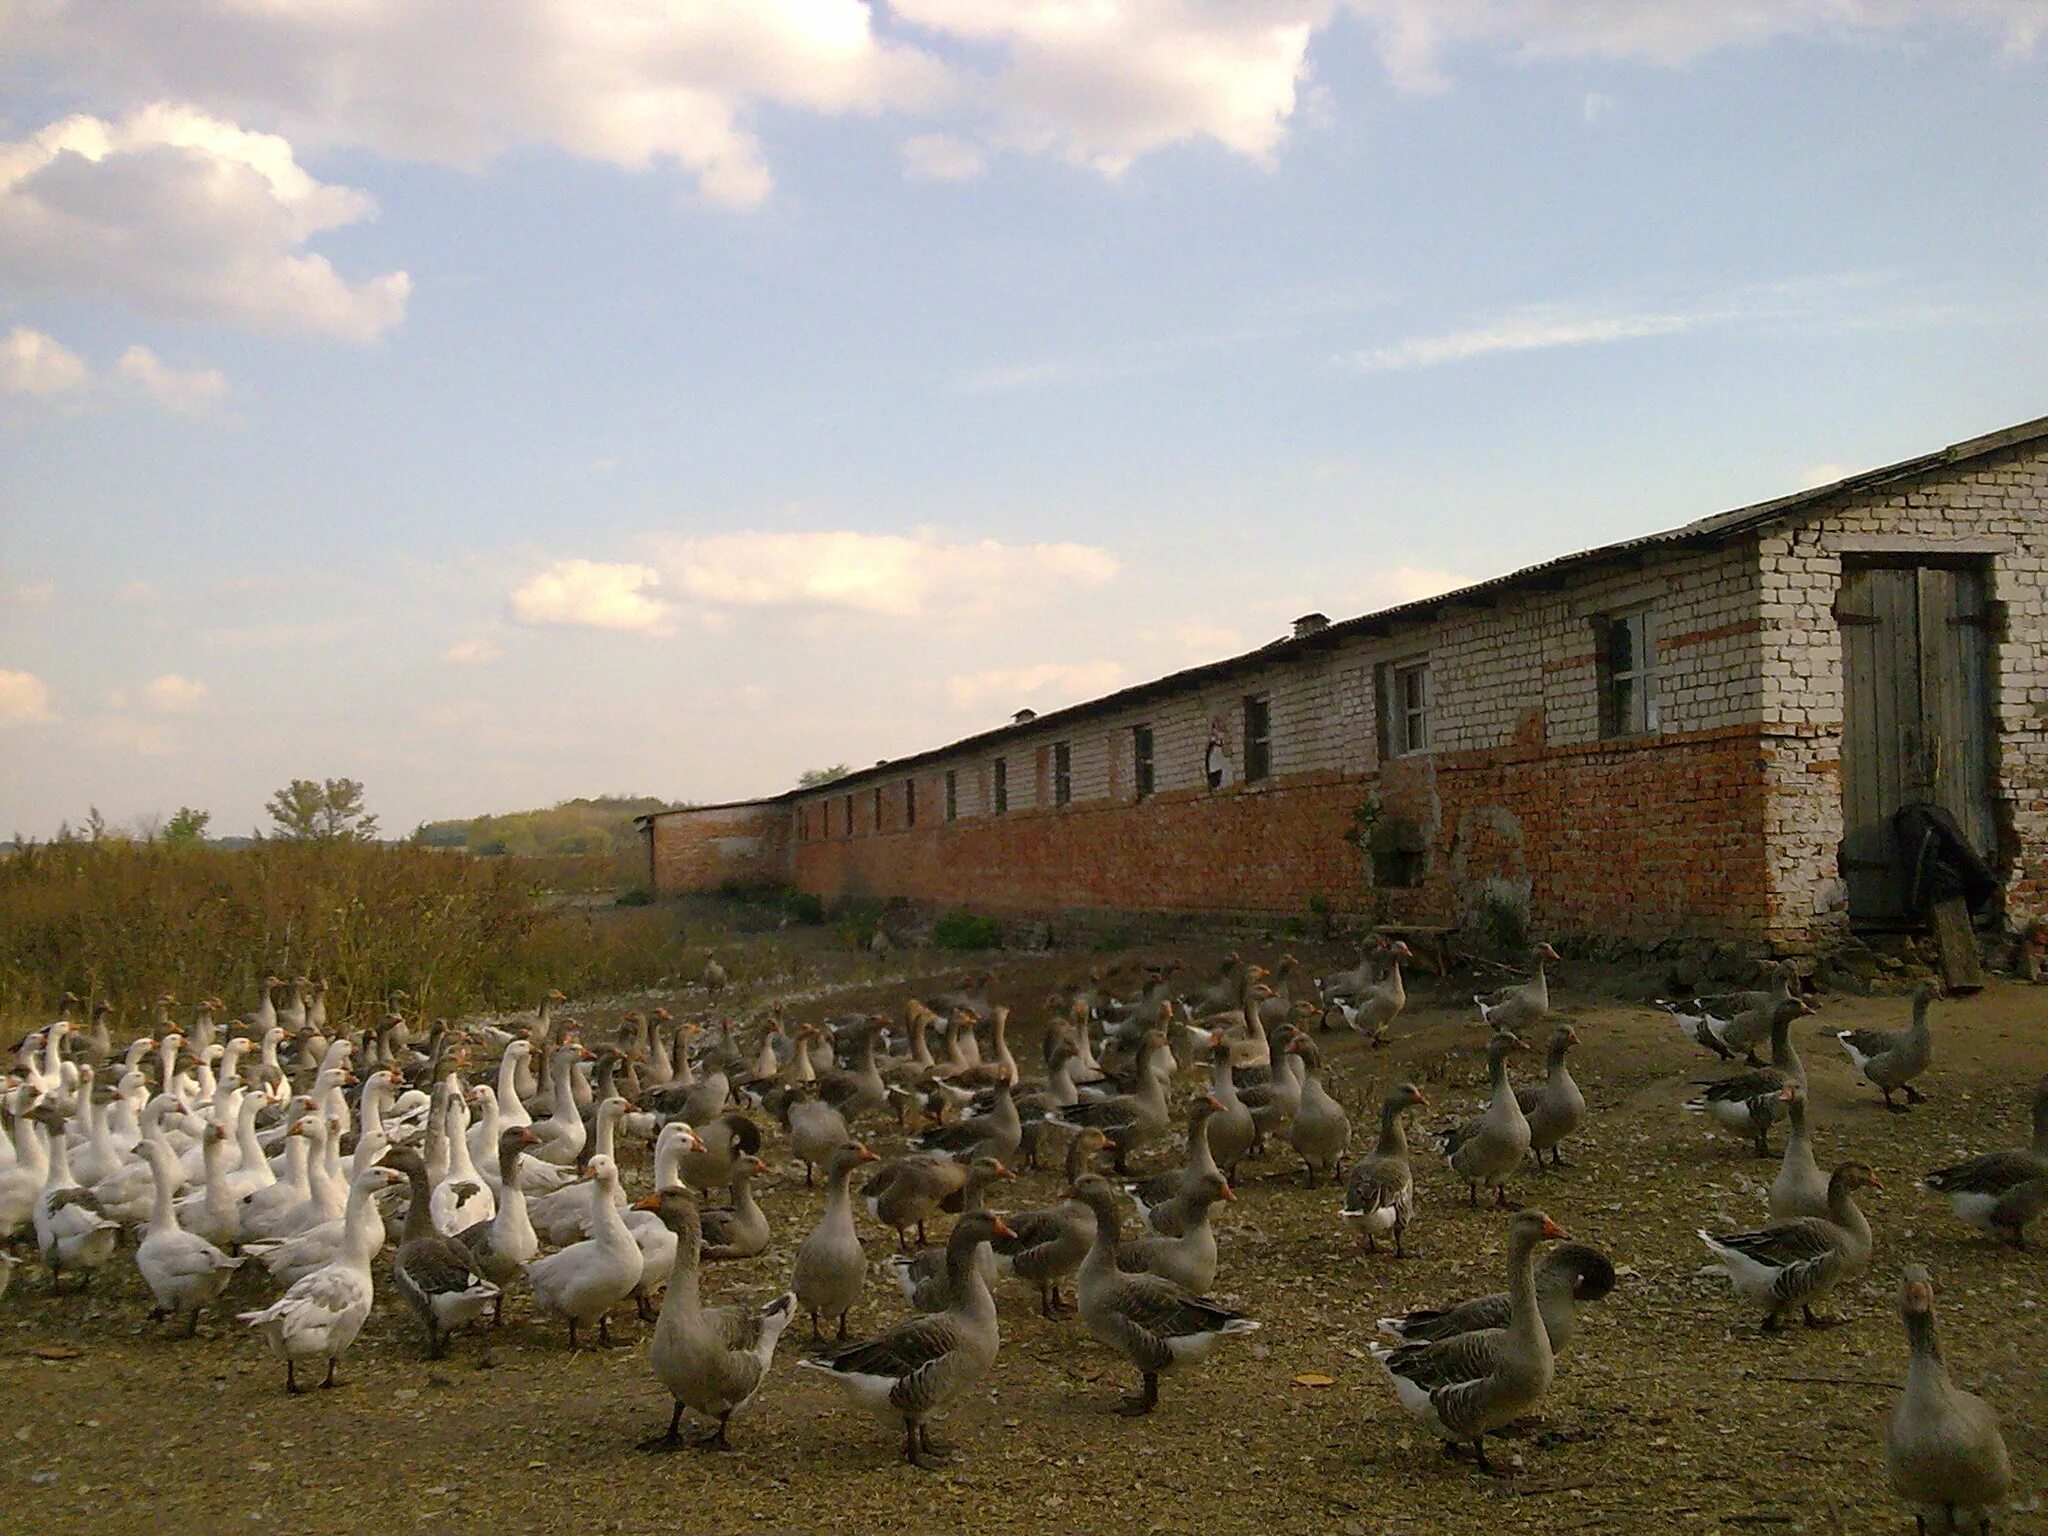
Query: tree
[[811, 778], [324, 811], [187, 826]]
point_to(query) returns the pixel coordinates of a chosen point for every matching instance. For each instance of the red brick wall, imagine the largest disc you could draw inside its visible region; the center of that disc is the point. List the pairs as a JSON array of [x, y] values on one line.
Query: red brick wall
[[699, 850], [1639, 839]]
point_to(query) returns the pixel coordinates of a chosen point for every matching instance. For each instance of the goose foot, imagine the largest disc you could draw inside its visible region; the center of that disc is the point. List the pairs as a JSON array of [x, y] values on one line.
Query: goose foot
[[1501, 1202], [715, 1441], [1144, 1402], [328, 1380], [1771, 1324], [665, 1442], [1913, 1095], [1821, 1322], [643, 1309], [931, 1447], [192, 1325], [291, 1380]]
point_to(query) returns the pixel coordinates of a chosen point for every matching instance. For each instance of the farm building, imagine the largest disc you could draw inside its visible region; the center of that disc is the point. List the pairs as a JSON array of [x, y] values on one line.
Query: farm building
[[1703, 731]]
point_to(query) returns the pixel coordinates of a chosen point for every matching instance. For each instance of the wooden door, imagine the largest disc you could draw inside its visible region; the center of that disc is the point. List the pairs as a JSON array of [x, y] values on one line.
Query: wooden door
[[1916, 720]]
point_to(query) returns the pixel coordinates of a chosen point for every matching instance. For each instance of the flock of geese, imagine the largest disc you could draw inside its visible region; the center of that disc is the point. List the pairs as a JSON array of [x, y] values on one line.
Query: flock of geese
[[489, 1159]]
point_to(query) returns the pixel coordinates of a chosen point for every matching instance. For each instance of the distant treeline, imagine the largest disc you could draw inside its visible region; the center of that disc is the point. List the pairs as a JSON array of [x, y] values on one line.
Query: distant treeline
[[601, 824]]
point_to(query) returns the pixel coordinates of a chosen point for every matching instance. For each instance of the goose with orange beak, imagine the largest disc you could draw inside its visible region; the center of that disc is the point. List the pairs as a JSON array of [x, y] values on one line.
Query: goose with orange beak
[[1466, 1387], [912, 1371]]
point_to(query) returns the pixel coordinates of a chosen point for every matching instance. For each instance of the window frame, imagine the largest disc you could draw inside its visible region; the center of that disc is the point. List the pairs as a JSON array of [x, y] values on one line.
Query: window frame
[[848, 799], [1062, 773], [1144, 762], [999, 786], [1402, 716], [909, 802], [952, 794], [1258, 745], [1642, 715], [878, 808]]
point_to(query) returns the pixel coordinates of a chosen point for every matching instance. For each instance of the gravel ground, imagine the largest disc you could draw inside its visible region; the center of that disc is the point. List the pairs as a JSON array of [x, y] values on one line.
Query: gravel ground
[[1671, 1414]]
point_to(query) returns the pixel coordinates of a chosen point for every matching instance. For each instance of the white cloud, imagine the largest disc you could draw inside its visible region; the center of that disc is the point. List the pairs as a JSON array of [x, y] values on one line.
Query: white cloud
[[187, 391], [1102, 82], [1824, 474], [176, 212], [24, 699], [1414, 36], [874, 573], [1597, 105], [593, 594], [34, 364], [475, 649], [942, 157], [1537, 328], [626, 82], [174, 695], [1049, 685], [139, 738], [1412, 583], [34, 594]]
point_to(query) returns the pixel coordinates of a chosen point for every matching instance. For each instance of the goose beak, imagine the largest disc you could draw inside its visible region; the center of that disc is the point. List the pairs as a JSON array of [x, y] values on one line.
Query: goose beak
[[1003, 1229], [867, 1156], [1876, 1183], [1229, 1194], [651, 1203], [1552, 1229]]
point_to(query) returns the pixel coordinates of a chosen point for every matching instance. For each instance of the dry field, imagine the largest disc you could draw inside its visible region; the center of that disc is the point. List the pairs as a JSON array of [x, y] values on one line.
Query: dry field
[[1672, 1414]]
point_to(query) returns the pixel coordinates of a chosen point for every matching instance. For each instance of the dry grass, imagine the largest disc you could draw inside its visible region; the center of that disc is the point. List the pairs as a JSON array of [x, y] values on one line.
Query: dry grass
[[130, 921]]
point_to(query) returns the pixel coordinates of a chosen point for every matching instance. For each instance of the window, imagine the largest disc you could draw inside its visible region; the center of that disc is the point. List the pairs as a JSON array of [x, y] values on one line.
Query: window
[[1258, 737], [849, 815], [1001, 778], [1410, 712], [910, 802], [952, 795], [1625, 663], [1141, 759], [878, 807], [1062, 772]]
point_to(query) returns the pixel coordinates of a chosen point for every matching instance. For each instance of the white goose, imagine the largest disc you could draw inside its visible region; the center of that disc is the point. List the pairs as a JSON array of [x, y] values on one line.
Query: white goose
[[214, 1210], [182, 1269], [463, 1197], [70, 1230], [264, 1213], [583, 1282], [320, 1316]]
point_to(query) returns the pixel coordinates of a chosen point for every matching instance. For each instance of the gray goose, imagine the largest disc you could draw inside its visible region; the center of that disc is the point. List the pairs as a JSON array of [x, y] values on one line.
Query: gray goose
[[996, 1134], [1567, 1276], [912, 1371], [1522, 1005], [1795, 1263], [1730, 1022], [1380, 1193], [1232, 1129], [1800, 1189], [1158, 1198], [1320, 1132], [1555, 1106], [1467, 1386], [1942, 1450], [711, 1359], [908, 1191], [1131, 1120], [831, 1266], [1891, 1058], [1490, 1147], [1747, 1102], [922, 1276], [1188, 1260], [1047, 1246], [738, 1231], [439, 1278], [502, 1246], [1156, 1325], [1998, 1193]]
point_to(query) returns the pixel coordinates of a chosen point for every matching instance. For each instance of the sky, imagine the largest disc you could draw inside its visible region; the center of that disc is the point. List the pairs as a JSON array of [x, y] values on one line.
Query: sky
[[499, 401]]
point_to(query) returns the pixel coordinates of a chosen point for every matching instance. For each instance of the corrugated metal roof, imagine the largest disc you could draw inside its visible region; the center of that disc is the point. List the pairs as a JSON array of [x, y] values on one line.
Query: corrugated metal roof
[[1703, 532]]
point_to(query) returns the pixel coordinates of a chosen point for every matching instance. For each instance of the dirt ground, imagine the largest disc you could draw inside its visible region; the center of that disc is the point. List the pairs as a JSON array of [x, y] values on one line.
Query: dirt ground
[[1670, 1414]]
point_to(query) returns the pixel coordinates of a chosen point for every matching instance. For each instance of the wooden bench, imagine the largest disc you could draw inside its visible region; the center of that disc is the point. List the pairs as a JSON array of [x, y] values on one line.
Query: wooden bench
[[1431, 944]]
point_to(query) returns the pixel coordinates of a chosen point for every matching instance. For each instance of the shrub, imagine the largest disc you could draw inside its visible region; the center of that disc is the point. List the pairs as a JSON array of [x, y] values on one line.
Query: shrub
[[803, 907], [636, 896], [965, 930]]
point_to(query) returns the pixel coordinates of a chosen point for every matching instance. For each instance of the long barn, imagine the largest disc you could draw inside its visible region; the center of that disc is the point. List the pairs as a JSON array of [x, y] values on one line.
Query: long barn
[[1703, 731]]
